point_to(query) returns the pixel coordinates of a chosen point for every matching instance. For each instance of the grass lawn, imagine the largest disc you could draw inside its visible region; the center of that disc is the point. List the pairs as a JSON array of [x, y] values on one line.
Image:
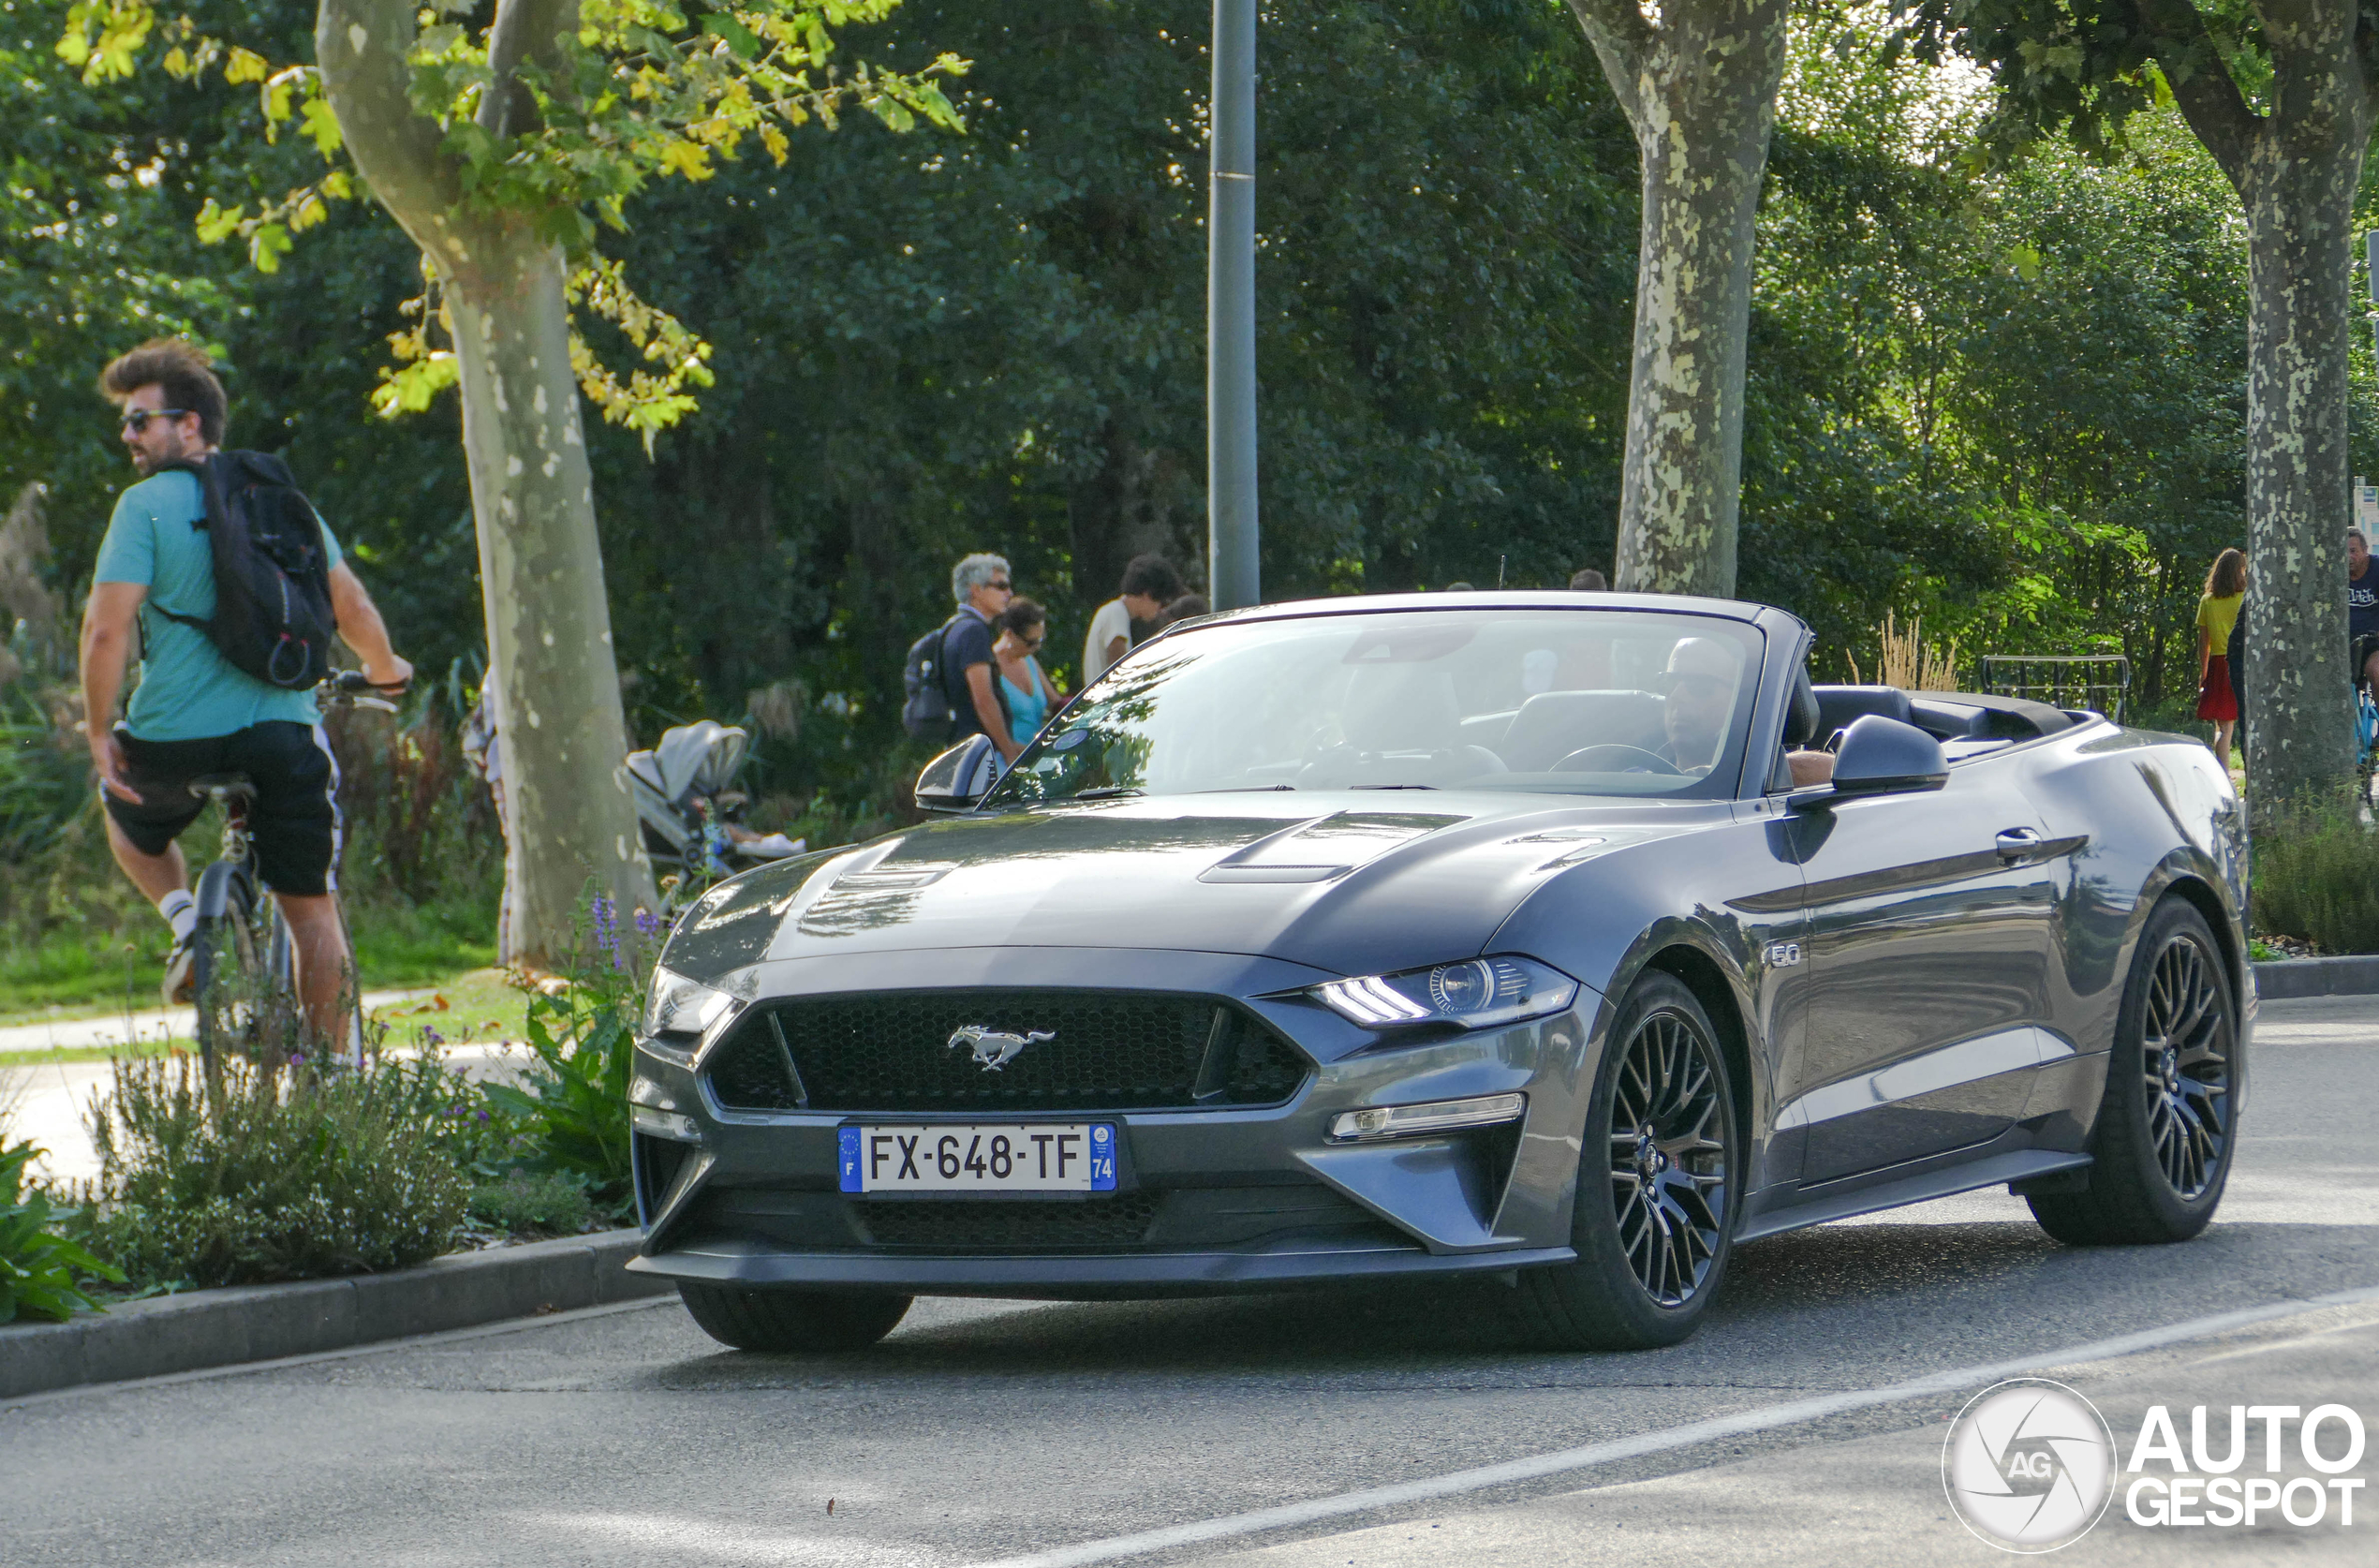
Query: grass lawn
[[479, 1005], [71, 977]]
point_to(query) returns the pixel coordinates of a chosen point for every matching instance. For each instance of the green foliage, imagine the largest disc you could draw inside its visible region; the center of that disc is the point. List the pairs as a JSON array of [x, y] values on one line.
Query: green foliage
[[2316, 870], [574, 1113], [255, 1176], [559, 139], [523, 1203], [39, 1266]]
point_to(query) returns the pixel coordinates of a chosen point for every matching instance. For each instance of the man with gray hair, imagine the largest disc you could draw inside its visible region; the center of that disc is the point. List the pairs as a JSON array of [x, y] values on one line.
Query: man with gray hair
[[982, 587]]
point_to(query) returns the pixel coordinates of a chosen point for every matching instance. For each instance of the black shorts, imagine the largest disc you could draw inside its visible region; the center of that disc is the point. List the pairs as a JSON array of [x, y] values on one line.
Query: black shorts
[[293, 822]]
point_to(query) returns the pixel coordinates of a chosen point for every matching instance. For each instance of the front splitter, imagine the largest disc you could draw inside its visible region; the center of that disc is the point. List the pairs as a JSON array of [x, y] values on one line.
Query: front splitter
[[1078, 1278]]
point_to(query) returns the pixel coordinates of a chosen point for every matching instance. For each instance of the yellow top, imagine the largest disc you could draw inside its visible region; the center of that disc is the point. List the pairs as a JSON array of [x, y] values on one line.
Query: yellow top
[[2216, 617]]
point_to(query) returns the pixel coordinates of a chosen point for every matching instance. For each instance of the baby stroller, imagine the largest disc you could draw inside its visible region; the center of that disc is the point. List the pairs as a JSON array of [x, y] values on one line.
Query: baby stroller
[[687, 807]]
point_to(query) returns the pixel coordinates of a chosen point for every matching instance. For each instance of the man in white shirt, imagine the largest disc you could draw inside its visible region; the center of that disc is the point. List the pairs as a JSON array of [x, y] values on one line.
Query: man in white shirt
[[1149, 584]]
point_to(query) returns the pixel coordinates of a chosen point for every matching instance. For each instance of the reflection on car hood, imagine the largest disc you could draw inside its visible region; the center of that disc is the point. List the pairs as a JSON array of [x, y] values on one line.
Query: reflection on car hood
[[1343, 882]]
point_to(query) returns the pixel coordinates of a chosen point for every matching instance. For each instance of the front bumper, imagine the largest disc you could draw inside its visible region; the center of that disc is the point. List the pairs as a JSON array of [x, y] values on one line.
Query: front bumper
[[1218, 1200]]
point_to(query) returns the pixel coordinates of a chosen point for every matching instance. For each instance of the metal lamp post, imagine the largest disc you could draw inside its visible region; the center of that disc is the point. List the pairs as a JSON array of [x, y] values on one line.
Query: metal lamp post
[[1230, 313]]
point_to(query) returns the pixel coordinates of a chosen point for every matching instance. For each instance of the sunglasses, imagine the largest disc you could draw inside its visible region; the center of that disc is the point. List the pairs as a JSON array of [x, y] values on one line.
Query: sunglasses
[[136, 419], [1001, 584]]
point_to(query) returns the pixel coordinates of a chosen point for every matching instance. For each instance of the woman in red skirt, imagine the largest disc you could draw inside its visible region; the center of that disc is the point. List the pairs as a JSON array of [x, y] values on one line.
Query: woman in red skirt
[[2217, 615]]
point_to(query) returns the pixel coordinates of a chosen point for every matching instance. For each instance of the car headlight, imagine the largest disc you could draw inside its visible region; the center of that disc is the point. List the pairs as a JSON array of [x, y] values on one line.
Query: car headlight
[[684, 1008], [1473, 994]]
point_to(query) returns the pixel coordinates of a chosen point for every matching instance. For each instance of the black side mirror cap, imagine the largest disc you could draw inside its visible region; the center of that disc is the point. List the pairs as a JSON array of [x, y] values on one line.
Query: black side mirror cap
[[1883, 756], [958, 780]]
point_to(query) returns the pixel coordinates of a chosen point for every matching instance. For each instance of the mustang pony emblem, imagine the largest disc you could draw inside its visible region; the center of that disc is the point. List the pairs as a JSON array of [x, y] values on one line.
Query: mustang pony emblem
[[994, 1048]]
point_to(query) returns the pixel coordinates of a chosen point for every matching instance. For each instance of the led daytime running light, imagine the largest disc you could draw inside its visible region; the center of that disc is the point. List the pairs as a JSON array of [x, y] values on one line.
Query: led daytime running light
[[1369, 1001]]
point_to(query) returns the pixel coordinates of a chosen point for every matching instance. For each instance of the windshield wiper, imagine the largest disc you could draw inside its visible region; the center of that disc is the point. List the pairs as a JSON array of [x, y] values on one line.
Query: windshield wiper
[[1391, 786], [1245, 790], [1106, 792]]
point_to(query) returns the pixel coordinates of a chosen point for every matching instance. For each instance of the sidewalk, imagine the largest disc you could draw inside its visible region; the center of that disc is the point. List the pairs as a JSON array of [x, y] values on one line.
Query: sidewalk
[[120, 1028]]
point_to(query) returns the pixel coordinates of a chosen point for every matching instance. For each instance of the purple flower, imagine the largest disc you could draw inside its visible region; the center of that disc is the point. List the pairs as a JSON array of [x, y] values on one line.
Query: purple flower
[[431, 1038], [647, 923]]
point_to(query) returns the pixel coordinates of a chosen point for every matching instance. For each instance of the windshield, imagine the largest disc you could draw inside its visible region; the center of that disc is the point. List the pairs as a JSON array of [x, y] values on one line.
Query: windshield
[[1567, 702]]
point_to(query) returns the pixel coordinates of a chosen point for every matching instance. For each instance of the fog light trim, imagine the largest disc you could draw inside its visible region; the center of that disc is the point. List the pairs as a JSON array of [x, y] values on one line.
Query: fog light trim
[[665, 1124], [1439, 1116]]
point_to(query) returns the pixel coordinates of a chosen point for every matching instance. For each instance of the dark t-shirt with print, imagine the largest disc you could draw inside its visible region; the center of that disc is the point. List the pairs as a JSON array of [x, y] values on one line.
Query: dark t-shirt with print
[[2362, 603], [965, 645]]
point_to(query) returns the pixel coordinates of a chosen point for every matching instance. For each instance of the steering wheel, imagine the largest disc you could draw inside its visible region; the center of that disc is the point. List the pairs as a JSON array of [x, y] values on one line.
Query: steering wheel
[[1628, 758]]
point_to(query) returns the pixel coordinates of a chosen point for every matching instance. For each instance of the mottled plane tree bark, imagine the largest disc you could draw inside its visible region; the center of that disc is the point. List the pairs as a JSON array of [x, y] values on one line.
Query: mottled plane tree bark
[[2283, 96], [1698, 83]]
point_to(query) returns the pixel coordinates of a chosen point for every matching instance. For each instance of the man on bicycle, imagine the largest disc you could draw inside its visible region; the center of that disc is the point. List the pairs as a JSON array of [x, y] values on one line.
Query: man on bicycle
[[193, 712]]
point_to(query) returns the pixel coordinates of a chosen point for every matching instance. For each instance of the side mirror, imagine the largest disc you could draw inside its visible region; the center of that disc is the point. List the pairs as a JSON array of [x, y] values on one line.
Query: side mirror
[[959, 778], [1883, 756]]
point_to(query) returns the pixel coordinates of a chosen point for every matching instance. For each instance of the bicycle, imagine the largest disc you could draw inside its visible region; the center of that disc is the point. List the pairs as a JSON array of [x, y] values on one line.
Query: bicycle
[[2366, 743], [242, 967]]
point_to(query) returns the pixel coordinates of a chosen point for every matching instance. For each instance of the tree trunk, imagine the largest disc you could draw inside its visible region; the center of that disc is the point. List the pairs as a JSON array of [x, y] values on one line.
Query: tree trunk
[[549, 628], [567, 811], [1699, 89], [2300, 312], [2296, 168]]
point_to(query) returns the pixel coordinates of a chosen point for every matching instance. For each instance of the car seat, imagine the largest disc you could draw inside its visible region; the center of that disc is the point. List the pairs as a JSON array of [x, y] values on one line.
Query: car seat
[[1552, 724]]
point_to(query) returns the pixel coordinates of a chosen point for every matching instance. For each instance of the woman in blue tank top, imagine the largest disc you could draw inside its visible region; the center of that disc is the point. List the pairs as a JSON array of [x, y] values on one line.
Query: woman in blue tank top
[[1024, 692]]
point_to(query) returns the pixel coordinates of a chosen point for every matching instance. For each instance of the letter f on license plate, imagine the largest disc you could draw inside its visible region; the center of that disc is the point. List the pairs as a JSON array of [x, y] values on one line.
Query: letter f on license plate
[[1056, 1157]]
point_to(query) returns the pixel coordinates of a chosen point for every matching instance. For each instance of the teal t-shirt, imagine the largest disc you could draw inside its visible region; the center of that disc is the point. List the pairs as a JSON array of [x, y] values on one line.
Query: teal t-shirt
[[188, 690]]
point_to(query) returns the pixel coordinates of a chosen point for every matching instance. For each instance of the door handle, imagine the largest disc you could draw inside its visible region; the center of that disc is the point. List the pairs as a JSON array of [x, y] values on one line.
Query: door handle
[[2014, 844]]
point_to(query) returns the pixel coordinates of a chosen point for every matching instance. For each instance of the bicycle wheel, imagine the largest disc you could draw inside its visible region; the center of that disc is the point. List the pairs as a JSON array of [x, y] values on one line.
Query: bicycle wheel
[[230, 968]]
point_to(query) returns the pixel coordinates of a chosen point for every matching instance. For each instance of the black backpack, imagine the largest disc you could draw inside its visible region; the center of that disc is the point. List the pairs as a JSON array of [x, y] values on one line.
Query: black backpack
[[926, 713], [272, 615]]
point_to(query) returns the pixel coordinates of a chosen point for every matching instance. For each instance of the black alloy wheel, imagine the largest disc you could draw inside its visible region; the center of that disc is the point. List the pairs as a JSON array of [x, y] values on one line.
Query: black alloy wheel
[[1668, 1162], [1655, 1209], [2167, 1123], [798, 1322]]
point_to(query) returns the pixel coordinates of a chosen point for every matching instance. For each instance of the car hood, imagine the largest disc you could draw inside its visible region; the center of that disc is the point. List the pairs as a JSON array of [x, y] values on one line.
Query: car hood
[[1347, 882]]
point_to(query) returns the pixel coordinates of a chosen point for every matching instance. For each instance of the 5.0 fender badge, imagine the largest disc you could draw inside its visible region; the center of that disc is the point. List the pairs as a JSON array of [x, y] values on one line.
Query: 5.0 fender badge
[[994, 1048]]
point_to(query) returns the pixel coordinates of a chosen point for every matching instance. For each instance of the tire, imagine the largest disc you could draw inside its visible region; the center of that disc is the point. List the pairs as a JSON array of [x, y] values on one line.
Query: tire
[[228, 975], [1646, 1268], [2161, 1152], [792, 1322]]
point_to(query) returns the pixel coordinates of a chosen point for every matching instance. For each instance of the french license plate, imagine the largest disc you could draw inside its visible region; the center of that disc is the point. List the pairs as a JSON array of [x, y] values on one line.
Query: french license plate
[[1063, 1157]]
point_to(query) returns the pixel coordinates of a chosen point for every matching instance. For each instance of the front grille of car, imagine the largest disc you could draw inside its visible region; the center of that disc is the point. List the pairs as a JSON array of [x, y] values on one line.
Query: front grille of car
[[1106, 1051], [955, 1224]]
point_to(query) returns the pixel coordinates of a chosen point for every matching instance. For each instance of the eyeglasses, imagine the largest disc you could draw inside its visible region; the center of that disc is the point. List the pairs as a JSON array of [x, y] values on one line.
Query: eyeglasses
[[136, 419], [1001, 584]]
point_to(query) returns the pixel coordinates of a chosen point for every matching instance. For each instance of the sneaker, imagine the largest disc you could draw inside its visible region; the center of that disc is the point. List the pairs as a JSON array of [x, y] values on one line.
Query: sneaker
[[178, 987]]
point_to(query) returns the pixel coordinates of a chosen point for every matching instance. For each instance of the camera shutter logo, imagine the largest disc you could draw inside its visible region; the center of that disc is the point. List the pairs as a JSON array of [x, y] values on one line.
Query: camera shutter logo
[[2029, 1465]]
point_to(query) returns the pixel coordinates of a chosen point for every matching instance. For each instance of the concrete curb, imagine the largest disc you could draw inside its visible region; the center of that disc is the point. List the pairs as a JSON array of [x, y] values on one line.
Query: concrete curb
[[2354, 976], [263, 1323]]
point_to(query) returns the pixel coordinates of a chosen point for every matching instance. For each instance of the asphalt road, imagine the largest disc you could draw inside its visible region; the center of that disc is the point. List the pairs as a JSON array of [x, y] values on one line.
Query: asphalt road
[[984, 1431]]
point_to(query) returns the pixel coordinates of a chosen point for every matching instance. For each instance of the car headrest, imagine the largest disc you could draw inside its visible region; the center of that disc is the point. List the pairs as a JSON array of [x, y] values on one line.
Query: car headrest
[[1838, 706], [1801, 718]]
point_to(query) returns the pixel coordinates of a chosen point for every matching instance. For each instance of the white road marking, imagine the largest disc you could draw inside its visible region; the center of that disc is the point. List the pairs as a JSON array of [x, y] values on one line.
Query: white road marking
[[1766, 1418]]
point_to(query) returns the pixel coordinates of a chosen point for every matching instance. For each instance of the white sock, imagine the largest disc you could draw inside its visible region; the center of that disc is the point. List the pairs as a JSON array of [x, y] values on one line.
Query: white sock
[[181, 910]]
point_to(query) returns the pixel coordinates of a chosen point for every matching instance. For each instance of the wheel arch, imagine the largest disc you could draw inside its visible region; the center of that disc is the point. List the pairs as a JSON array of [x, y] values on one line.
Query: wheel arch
[[2207, 902], [1701, 975]]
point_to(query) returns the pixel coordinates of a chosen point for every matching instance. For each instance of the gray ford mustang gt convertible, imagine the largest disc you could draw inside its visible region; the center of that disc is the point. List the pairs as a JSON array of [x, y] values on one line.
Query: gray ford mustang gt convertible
[[1569, 940]]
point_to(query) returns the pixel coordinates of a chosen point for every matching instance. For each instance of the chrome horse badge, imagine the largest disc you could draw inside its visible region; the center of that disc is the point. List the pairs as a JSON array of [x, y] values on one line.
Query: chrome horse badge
[[993, 1048]]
